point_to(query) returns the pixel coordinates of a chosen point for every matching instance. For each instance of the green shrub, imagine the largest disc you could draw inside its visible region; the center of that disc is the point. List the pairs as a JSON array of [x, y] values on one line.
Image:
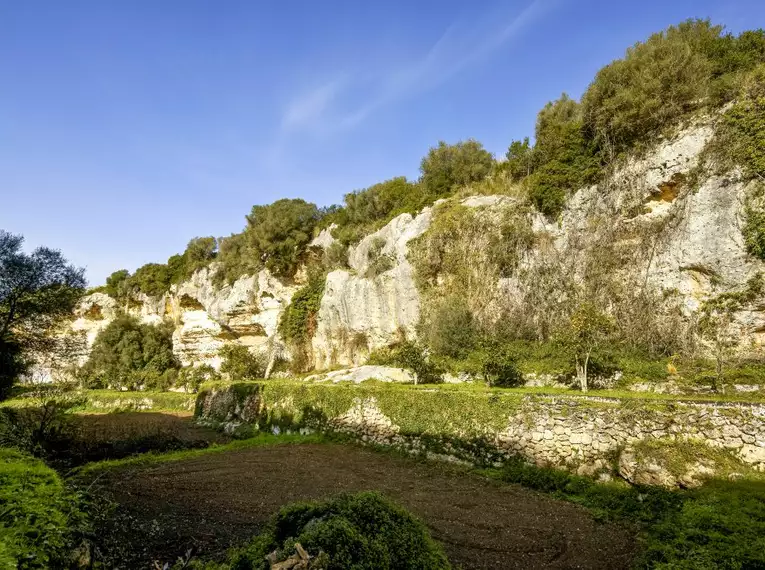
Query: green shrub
[[278, 233], [39, 519], [236, 259], [352, 532], [238, 363], [128, 354], [447, 167], [520, 160], [754, 231], [411, 356], [153, 279], [336, 256], [745, 122], [192, 377], [449, 329], [565, 159], [367, 210], [379, 262], [298, 321], [498, 365], [662, 80]]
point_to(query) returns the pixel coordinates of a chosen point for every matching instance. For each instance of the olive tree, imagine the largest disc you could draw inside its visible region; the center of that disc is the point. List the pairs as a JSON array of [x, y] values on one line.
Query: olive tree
[[588, 329], [38, 291]]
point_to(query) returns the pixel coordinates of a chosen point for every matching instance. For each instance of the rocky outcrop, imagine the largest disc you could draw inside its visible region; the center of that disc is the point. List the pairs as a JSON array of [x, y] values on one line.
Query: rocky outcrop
[[677, 228], [358, 312], [363, 373], [206, 315]]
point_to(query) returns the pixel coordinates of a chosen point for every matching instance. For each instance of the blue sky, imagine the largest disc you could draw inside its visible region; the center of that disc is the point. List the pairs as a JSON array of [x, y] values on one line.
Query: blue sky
[[129, 127]]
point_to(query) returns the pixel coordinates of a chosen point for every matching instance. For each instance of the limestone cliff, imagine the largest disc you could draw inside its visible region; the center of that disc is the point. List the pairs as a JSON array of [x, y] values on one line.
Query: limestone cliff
[[206, 316], [670, 227]]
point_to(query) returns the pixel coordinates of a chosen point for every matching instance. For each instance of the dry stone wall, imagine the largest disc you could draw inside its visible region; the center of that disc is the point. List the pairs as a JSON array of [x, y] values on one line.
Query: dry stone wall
[[584, 435]]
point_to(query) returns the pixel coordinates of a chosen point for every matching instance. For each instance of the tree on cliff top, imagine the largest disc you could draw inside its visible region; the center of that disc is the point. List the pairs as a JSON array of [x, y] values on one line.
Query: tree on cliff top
[[277, 234], [37, 292], [447, 166]]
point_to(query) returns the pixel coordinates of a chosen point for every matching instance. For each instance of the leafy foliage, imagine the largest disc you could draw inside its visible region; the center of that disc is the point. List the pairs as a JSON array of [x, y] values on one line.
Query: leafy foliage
[[564, 158], [520, 158], [239, 364], [379, 262], [277, 234], [367, 210], [450, 329], [298, 321], [153, 279], [745, 122], [37, 292], [40, 518], [660, 81], [192, 377], [448, 166], [117, 283], [129, 354], [411, 356], [588, 329], [351, 532]]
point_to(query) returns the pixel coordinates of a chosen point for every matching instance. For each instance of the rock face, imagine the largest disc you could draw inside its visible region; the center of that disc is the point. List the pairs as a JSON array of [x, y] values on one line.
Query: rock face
[[360, 313], [681, 229], [206, 316], [362, 373]]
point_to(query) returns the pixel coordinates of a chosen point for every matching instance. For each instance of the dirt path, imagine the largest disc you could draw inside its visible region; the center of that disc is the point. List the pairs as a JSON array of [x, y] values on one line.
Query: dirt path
[[220, 499]]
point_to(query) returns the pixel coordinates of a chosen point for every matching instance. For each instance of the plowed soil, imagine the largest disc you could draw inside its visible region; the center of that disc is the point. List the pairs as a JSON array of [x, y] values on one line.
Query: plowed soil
[[214, 501]]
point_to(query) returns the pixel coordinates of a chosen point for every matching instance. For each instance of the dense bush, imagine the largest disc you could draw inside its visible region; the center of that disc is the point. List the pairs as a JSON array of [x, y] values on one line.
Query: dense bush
[[278, 233], [40, 519], [564, 159], [447, 167], [129, 354], [192, 377], [411, 356], [352, 532], [117, 283], [449, 329], [12, 364], [379, 262], [663, 79], [298, 321], [520, 159], [745, 122], [238, 363], [364, 211]]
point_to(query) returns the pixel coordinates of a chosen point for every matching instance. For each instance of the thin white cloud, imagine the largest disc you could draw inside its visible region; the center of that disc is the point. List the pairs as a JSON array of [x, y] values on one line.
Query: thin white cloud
[[309, 108], [458, 47], [454, 51]]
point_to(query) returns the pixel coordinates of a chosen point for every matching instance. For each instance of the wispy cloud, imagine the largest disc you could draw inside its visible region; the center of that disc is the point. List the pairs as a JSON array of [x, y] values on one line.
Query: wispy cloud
[[310, 107], [461, 45]]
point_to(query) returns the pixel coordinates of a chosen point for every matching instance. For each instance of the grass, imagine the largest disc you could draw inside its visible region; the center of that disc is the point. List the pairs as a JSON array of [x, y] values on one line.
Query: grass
[[39, 516], [117, 401], [481, 388], [720, 525], [260, 440]]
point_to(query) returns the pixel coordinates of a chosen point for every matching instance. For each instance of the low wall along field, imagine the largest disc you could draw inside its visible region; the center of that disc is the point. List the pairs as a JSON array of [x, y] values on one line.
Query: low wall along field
[[667, 443]]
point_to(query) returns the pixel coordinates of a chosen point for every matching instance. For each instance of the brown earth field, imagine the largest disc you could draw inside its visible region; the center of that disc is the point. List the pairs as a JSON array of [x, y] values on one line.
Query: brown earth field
[[208, 503]]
